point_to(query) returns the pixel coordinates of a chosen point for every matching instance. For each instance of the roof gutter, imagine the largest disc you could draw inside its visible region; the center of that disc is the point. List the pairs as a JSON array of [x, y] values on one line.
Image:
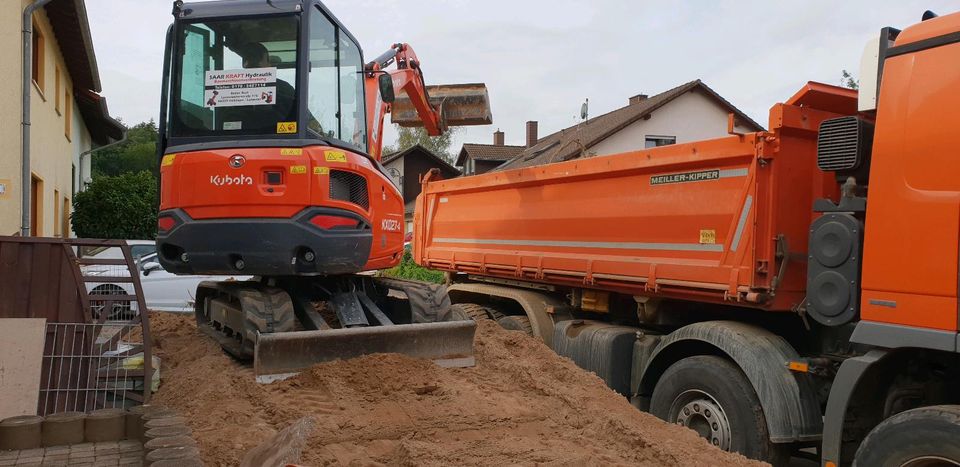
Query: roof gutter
[[25, 181], [122, 140]]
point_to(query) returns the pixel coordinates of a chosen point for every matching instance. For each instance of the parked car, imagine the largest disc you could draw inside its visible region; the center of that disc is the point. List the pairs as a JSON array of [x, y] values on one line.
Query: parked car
[[162, 291]]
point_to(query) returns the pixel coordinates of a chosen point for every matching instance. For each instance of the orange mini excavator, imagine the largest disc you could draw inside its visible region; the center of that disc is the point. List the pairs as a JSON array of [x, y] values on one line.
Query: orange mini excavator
[[270, 143]]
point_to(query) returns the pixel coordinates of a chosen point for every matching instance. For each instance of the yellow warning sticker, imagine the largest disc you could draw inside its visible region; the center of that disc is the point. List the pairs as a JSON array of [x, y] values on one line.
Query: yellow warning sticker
[[321, 170], [298, 169], [708, 236], [286, 127], [291, 151], [167, 160], [335, 156]]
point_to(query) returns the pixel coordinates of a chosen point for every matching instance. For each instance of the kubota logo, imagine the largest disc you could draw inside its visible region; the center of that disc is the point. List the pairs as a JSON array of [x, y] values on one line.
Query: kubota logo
[[225, 180], [236, 161]]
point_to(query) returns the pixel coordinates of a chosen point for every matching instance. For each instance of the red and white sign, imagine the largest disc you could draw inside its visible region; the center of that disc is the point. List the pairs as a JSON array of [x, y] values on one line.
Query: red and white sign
[[231, 88]]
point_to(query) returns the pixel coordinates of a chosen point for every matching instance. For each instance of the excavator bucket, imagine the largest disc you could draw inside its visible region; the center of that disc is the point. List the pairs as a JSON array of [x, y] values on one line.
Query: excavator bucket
[[283, 354], [460, 105]]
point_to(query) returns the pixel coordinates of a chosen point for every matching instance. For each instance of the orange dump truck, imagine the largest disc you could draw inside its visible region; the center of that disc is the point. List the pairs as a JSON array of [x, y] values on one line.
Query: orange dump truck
[[786, 289]]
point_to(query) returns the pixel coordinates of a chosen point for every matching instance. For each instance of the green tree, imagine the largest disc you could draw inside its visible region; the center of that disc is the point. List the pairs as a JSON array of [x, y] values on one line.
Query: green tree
[[439, 145], [136, 154], [848, 81], [121, 207]]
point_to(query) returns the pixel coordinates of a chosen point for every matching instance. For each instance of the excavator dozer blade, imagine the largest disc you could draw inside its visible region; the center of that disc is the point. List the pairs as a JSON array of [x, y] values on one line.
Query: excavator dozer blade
[[283, 354], [461, 105]]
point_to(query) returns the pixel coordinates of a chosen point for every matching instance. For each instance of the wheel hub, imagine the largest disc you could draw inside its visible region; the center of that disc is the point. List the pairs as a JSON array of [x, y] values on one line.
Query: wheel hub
[[700, 412]]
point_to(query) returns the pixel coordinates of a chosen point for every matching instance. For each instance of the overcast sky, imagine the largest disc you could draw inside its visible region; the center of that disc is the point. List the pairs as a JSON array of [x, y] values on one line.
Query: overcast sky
[[541, 59]]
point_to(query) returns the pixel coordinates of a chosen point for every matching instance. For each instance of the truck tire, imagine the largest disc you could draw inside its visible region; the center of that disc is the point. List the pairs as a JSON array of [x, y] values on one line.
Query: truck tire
[[516, 323], [464, 311], [926, 436], [713, 397]]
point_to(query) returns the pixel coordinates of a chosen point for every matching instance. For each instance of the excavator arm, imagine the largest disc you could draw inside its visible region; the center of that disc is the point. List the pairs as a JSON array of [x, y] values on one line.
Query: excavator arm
[[406, 78], [467, 102]]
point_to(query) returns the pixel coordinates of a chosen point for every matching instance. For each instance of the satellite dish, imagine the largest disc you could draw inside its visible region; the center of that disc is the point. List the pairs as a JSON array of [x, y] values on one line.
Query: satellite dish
[[584, 110]]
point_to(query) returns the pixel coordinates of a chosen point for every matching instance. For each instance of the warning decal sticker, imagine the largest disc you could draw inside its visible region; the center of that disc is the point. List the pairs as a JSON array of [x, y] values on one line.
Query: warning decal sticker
[[230, 88], [335, 156], [286, 127]]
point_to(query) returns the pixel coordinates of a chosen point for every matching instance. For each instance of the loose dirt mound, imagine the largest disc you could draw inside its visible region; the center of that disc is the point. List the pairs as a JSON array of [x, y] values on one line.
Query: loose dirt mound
[[521, 404]]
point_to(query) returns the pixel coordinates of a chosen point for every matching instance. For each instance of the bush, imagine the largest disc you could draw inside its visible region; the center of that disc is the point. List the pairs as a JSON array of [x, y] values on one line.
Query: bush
[[120, 207], [407, 269]]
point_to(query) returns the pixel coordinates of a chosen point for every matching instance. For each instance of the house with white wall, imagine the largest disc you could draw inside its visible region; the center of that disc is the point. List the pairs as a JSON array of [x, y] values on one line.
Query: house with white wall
[[689, 112], [67, 115]]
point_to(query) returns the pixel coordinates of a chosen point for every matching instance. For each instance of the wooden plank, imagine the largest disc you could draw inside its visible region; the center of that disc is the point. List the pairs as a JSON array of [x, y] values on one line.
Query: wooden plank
[[22, 281], [108, 279], [8, 273], [21, 355], [71, 263], [40, 286], [104, 261]]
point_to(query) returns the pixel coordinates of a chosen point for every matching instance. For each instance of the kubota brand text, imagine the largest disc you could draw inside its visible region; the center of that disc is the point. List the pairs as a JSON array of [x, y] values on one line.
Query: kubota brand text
[[222, 180]]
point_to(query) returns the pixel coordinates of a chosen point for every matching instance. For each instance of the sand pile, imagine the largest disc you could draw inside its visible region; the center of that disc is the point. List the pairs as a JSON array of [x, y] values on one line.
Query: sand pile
[[521, 404]]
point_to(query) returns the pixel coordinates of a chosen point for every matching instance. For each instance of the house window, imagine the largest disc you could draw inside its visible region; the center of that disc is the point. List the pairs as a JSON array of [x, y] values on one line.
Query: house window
[[56, 99], [68, 115], [38, 62], [655, 141], [65, 218], [36, 206], [56, 213]]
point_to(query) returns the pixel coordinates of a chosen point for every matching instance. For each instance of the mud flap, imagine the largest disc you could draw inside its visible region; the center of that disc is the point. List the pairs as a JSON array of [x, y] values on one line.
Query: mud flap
[[281, 355]]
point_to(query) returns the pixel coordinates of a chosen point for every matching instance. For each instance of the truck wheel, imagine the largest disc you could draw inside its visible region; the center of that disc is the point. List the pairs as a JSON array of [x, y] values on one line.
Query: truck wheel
[[712, 396], [927, 436], [465, 311], [516, 323]]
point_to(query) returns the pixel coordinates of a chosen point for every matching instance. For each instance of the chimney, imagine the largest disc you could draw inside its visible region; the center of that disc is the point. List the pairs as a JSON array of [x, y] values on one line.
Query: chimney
[[531, 133], [638, 98], [498, 138]]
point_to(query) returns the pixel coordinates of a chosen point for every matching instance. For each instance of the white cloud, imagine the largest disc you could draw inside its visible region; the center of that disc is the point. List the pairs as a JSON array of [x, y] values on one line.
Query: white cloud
[[541, 58]]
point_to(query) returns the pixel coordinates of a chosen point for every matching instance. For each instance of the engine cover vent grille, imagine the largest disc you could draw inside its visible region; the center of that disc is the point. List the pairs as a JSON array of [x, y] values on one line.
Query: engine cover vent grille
[[843, 144], [349, 187]]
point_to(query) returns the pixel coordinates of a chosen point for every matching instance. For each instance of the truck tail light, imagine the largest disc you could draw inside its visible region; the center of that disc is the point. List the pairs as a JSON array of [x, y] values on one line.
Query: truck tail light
[[329, 222], [166, 223]]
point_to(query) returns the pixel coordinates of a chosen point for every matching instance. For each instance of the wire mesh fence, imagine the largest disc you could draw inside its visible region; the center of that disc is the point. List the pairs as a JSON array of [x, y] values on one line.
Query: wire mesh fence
[[92, 366]]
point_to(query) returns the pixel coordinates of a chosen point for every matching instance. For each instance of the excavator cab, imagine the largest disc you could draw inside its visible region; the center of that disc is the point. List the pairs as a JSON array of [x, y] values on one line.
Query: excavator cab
[[270, 138]]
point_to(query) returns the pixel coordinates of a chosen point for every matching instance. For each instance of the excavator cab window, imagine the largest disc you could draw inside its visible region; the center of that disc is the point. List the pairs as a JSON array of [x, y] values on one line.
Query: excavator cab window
[[235, 77], [335, 100]]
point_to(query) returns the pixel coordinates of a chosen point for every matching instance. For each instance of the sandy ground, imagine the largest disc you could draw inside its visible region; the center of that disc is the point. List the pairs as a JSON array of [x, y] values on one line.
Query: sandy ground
[[520, 405]]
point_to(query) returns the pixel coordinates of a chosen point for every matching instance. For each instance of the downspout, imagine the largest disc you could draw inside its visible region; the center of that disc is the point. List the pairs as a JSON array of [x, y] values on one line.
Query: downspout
[[122, 139], [25, 182]]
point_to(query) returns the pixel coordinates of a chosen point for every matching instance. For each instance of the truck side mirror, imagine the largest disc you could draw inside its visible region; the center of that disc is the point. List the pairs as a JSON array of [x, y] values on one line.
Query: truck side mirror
[[386, 88]]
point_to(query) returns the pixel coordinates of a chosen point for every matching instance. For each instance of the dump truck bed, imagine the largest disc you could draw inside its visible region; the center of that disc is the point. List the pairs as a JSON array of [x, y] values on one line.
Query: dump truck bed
[[710, 220]]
